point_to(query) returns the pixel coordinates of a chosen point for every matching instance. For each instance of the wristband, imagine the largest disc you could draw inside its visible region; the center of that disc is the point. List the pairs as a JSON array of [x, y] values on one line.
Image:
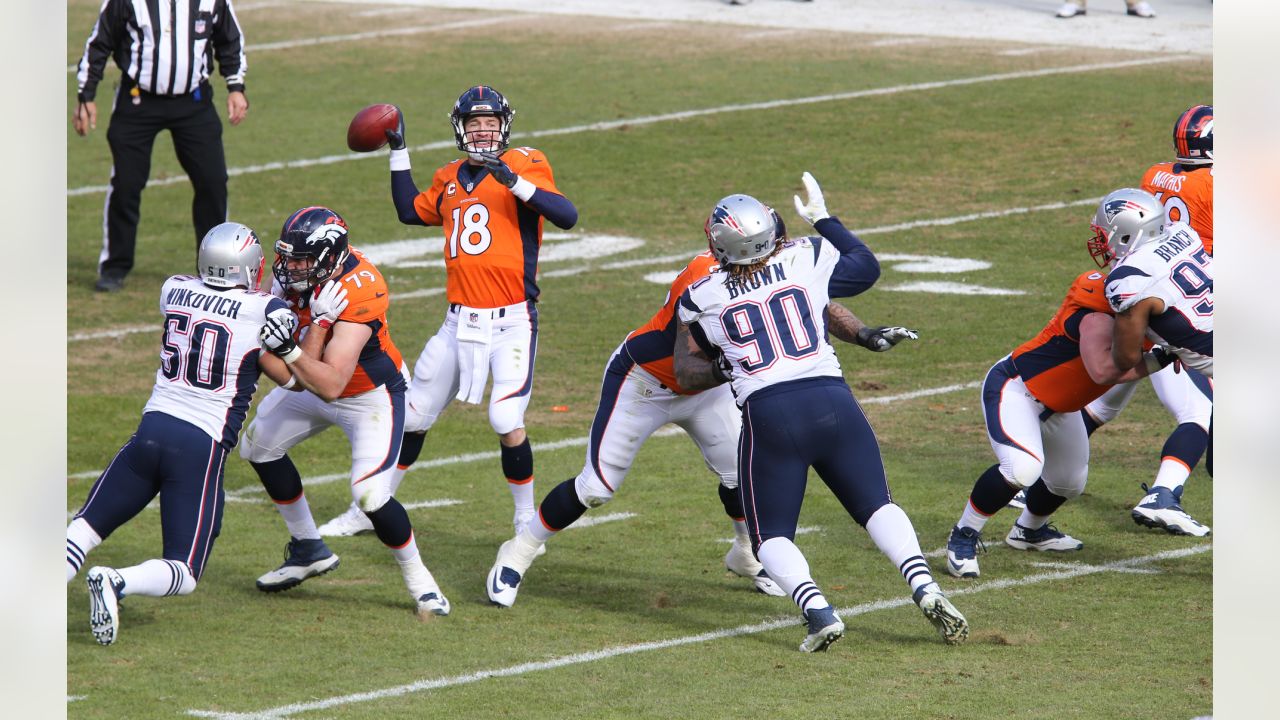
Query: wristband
[[290, 357], [400, 159], [293, 380], [523, 189]]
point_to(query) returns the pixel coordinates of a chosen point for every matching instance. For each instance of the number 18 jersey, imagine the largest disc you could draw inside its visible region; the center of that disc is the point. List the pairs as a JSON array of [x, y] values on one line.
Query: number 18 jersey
[[770, 326], [209, 354]]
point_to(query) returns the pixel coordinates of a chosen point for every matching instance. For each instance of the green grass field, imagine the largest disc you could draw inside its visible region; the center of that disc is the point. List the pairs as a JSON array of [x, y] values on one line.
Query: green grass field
[[1105, 635]]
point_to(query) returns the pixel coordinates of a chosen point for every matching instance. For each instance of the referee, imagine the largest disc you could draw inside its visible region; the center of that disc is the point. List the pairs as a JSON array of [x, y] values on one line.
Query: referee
[[165, 51]]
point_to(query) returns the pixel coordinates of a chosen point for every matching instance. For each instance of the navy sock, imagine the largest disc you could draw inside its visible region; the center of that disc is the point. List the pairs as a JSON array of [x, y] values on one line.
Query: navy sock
[[1040, 501], [991, 492], [411, 448], [1187, 443], [280, 478], [561, 507], [517, 462], [732, 501], [391, 524]]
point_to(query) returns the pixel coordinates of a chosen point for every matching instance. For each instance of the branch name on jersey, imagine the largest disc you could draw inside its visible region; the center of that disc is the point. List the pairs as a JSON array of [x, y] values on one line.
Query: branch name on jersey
[[1178, 271], [771, 328], [651, 345], [491, 237], [368, 300], [1187, 195], [1050, 364], [209, 355]]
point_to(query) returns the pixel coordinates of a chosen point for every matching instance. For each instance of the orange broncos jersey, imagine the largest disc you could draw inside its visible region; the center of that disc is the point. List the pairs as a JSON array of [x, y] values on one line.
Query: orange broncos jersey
[[367, 302], [491, 237], [1187, 194], [1050, 363], [652, 344]]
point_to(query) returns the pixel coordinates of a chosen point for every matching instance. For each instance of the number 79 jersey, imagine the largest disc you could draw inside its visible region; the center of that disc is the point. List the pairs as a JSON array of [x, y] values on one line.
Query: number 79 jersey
[[491, 237], [209, 354], [770, 327], [1179, 271]]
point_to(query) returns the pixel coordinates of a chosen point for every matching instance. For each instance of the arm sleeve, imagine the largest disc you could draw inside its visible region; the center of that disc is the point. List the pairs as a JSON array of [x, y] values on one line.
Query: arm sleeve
[[857, 268], [546, 199], [228, 44], [107, 31], [403, 193]]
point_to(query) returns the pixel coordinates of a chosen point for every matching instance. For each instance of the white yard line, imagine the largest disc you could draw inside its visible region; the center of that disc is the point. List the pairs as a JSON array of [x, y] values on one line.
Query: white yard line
[[589, 520], [685, 115], [789, 621], [443, 502]]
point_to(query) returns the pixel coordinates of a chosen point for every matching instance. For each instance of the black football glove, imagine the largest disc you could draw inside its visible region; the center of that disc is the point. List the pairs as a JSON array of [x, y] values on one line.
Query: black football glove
[[498, 169], [721, 369], [880, 339], [1162, 358], [395, 138]]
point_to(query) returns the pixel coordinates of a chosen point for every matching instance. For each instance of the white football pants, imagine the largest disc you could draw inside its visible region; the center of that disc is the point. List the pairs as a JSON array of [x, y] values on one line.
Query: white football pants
[[1184, 400], [1027, 446]]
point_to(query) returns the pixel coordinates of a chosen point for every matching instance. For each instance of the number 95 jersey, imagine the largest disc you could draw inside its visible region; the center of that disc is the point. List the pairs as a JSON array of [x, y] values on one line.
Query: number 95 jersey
[[770, 327], [491, 237]]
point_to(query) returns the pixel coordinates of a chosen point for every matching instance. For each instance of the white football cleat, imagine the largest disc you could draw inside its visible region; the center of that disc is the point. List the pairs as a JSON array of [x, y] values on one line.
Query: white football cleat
[[1142, 10], [513, 561], [105, 589], [1070, 10], [951, 625], [433, 603], [741, 562], [1043, 538], [1162, 508], [351, 522], [825, 627]]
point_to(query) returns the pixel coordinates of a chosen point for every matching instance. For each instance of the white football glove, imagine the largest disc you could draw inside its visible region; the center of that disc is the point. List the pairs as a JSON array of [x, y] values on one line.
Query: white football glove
[[880, 339], [816, 208], [276, 335], [328, 303]]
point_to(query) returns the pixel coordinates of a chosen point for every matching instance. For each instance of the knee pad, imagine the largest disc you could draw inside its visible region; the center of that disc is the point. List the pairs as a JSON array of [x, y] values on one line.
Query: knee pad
[[255, 453], [1020, 469], [1069, 487], [591, 492], [506, 415], [373, 497]]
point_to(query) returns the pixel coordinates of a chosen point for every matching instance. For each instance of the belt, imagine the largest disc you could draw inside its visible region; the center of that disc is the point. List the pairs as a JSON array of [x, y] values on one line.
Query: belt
[[497, 313]]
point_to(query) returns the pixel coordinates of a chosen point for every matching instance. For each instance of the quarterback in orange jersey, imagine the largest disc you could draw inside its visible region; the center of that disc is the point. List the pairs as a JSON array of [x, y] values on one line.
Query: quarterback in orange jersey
[[1031, 401], [638, 395], [346, 372], [1185, 188], [491, 204]]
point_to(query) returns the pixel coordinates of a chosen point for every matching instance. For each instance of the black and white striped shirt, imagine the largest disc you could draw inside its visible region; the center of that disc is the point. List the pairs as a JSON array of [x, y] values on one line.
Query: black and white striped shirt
[[164, 47]]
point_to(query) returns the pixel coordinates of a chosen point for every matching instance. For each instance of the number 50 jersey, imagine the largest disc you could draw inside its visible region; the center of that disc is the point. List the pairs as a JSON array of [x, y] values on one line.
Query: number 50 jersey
[[209, 354], [770, 326]]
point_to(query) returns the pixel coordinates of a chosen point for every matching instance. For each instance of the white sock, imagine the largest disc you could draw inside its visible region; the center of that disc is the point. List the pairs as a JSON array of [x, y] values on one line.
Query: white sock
[[158, 578], [80, 540], [397, 477], [522, 496], [416, 575], [971, 518], [741, 533], [538, 531], [297, 517], [788, 568], [1172, 474], [1030, 521], [892, 532]]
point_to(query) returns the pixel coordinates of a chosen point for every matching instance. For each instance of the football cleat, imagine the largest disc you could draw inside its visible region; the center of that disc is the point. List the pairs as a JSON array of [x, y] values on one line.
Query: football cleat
[[962, 552], [433, 603], [106, 587], [351, 522], [825, 627], [741, 562], [521, 521], [302, 559], [513, 561], [1019, 501], [1044, 538], [951, 625], [1070, 10], [1162, 508], [1142, 10]]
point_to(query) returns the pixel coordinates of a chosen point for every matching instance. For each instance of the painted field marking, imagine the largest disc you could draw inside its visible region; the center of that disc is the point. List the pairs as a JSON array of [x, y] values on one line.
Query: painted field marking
[[443, 502], [686, 115], [589, 520], [1069, 565], [789, 621]]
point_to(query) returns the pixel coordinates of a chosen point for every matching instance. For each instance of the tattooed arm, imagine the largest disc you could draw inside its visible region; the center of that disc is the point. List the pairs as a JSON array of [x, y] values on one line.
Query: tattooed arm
[[846, 326], [693, 370]]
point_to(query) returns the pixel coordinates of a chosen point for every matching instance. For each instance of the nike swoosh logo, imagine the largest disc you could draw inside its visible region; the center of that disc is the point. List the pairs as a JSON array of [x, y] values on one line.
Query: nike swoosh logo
[[537, 161], [1088, 290], [378, 295], [496, 590]]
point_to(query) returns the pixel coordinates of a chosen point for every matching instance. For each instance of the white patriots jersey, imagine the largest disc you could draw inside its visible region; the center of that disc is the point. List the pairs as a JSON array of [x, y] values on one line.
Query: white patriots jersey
[[1179, 271], [209, 354], [771, 328]]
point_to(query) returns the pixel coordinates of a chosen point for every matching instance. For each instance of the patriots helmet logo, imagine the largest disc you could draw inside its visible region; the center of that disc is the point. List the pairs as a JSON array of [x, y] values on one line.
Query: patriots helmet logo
[[1115, 207], [721, 216]]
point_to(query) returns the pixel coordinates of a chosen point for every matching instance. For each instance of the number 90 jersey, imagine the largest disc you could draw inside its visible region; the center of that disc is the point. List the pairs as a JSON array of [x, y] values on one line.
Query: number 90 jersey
[[209, 355], [1179, 271], [770, 327], [491, 237]]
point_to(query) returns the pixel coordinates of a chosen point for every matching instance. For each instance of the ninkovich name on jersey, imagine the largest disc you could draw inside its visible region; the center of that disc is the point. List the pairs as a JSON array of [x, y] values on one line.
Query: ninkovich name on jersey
[[1179, 271]]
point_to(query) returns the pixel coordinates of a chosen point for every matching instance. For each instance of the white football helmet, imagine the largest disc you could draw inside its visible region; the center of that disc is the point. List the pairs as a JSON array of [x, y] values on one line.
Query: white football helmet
[[231, 256], [1127, 219], [741, 230]]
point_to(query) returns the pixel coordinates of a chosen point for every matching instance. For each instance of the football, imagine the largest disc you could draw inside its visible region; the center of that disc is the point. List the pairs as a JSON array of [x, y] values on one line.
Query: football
[[367, 131]]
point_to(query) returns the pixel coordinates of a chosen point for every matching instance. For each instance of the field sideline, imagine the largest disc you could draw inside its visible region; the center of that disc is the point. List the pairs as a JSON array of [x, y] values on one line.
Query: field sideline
[[971, 168]]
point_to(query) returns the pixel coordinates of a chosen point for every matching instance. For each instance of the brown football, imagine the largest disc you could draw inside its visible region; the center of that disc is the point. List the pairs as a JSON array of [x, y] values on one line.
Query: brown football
[[367, 131]]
